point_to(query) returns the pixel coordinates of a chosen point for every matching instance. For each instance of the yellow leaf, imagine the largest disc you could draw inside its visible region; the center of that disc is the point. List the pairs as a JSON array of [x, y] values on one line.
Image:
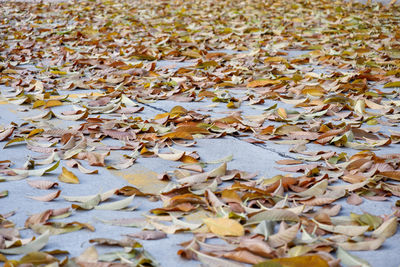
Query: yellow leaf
[[177, 111], [275, 59], [282, 113], [35, 132], [231, 105], [38, 103], [68, 177], [392, 84], [224, 226], [301, 261], [53, 103], [161, 116], [58, 72]]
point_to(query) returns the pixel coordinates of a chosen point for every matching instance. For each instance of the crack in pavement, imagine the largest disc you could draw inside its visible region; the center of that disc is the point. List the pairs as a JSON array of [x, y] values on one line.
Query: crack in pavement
[[155, 108], [282, 154]]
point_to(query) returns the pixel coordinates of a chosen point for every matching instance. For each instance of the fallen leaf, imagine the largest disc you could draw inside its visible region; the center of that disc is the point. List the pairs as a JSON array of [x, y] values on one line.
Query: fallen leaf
[[149, 235], [42, 184], [301, 261], [48, 197], [68, 177], [284, 236], [224, 226], [116, 205], [32, 246]]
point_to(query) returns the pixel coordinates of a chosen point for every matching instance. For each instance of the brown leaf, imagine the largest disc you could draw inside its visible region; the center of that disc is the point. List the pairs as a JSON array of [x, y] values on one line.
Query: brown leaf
[[125, 242], [96, 159], [371, 244], [354, 199], [260, 83], [284, 236], [149, 235], [394, 175], [244, 256], [288, 161], [6, 133], [48, 197], [39, 218], [42, 184], [257, 246]]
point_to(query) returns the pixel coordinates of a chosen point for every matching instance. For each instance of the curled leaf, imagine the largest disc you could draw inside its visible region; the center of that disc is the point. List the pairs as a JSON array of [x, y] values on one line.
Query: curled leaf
[[68, 177], [284, 236], [48, 197], [42, 184]]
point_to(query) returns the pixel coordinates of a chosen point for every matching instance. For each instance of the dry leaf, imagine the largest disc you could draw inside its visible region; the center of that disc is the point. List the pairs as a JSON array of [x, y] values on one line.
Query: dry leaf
[[48, 197], [224, 226], [42, 184], [68, 177]]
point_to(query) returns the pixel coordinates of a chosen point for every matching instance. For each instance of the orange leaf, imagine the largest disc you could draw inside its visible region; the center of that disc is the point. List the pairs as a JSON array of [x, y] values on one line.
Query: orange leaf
[[260, 83], [313, 90], [395, 175], [53, 103], [178, 135], [207, 94], [300, 261]]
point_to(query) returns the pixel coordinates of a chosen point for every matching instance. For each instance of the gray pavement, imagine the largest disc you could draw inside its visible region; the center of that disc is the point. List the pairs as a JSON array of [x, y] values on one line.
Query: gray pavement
[[249, 157]]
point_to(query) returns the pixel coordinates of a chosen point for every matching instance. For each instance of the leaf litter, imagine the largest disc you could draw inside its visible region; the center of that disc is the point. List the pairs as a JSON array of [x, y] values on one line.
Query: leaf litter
[[340, 92]]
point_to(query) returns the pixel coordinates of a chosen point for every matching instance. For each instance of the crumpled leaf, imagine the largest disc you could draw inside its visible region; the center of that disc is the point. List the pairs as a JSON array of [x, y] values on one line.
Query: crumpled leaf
[[316, 190], [284, 236]]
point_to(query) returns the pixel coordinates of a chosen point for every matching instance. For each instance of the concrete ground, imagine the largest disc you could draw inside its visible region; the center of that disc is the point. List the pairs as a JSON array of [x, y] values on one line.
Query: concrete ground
[[249, 157]]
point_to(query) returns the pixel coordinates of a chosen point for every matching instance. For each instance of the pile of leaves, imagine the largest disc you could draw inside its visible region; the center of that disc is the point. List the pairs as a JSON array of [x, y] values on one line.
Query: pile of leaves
[[125, 59]]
